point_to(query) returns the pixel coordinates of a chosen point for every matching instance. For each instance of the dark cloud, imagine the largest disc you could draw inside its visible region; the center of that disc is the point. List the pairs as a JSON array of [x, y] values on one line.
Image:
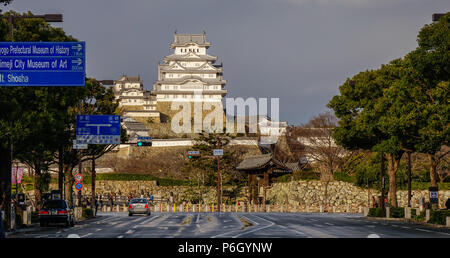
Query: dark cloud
[[297, 50]]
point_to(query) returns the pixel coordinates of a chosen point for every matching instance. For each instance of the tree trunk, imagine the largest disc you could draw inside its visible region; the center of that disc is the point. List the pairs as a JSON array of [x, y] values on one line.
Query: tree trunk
[[433, 170], [69, 182], [5, 179], [37, 185], [392, 171]]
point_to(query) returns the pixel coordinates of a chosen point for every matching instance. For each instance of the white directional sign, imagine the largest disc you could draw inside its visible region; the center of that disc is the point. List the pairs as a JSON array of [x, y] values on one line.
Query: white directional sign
[[98, 129], [79, 146], [218, 152]]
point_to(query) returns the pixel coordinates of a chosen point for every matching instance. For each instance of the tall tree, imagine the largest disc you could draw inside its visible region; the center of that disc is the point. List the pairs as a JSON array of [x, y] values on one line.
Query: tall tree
[[371, 119], [429, 73]]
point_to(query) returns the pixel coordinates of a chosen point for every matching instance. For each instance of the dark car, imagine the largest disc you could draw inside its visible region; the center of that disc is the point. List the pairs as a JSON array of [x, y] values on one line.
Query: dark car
[[56, 211]]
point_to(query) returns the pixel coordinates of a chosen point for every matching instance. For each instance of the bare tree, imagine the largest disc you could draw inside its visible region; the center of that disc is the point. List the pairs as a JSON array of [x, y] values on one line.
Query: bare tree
[[319, 146]]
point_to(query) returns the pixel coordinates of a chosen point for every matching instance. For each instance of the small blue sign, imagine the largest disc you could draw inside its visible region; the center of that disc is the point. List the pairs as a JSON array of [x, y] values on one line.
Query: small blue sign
[[144, 138], [78, 186], [42, 63], [98, 129]]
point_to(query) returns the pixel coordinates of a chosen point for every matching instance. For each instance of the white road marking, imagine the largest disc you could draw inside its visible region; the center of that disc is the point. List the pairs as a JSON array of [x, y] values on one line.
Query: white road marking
[[423, 230], [271, 224], [253, 222], [329, 224], [98, 229], [88, 234], [130, 231], [120, 236]]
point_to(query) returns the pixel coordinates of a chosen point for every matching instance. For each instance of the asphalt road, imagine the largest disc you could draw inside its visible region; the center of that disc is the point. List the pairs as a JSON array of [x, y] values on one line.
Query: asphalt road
[[237, 225]]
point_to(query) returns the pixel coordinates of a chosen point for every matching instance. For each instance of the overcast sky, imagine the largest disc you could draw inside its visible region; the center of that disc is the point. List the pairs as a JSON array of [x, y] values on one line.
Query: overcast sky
[[297, 50]]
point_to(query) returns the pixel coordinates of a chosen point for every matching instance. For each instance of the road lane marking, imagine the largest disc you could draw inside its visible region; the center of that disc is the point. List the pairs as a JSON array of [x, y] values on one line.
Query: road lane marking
[[253, 222], [88, 234], [423, 230], [120, 236], [329, 224], [198, 217], [129, 232], [258, 229]]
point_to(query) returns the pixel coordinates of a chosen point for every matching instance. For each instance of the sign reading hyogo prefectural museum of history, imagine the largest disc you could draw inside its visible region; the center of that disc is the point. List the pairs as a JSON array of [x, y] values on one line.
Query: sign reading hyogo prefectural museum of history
[[42, 63]]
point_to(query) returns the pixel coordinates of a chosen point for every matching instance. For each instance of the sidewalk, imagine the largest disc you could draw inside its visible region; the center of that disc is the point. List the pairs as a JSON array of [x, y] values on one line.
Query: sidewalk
[[411, 221], [31, 228]]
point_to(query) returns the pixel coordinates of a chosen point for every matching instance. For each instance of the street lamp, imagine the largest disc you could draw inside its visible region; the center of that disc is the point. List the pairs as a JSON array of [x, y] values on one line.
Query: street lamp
[[45, 17], [437, 16]]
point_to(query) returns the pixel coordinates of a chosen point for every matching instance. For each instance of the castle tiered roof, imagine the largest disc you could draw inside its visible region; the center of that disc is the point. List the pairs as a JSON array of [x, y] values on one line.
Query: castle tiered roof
[[190, 68], [181, 40]]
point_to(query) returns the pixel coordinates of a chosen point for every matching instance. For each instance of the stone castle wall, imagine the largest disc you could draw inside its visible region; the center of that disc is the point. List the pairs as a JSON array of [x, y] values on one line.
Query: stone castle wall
[[302, 195]]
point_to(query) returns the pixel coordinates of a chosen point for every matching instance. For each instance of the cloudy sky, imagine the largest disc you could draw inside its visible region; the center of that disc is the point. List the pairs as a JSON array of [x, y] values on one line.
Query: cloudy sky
[[297, 50]]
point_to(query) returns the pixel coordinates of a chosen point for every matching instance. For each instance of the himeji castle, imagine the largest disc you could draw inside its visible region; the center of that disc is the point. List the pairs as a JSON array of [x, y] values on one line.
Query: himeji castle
[[134, 100], [189, 74]]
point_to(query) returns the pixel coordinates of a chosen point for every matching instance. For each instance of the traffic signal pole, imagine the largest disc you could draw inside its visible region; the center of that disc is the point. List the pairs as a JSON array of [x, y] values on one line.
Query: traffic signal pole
[[219, 193]]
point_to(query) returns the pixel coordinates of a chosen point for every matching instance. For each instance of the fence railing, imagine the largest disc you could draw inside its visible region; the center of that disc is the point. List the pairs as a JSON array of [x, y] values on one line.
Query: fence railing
[[171, 208]]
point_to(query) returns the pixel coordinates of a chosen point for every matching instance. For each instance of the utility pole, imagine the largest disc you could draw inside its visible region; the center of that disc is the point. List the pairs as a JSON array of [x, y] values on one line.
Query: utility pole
[[382, 186], [409, 178], [93, 181], [219, 193]]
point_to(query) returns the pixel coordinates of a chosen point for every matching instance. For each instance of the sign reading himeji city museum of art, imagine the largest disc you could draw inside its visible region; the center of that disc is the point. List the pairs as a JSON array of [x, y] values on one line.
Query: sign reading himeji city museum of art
[[98, 129], [42, 63]]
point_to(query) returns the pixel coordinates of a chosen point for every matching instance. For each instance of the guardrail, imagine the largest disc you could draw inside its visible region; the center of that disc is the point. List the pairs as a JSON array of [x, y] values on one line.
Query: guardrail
[[171, 208]]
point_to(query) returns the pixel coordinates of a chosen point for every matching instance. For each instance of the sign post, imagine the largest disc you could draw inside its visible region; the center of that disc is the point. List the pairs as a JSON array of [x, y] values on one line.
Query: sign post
[[218, 153], [42, 63], [434, 196]]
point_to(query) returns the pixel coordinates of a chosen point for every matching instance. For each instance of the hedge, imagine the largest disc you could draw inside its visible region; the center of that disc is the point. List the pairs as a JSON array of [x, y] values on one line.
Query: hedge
[[439, 216], [375, 212], [397, 212], [137, 177], [87, 213]]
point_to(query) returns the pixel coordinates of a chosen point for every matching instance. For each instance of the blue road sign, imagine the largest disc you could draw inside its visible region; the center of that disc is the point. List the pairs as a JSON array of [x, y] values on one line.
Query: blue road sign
[[78, 186], [98, 129], [42, 63]]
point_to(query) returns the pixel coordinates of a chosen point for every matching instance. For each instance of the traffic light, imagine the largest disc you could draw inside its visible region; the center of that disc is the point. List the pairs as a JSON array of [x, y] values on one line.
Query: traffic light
[[142, 143], [194, 155]]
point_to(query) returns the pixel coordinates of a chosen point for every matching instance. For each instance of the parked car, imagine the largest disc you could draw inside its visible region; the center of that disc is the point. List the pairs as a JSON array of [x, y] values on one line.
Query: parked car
[[138, 206], [56, 211]]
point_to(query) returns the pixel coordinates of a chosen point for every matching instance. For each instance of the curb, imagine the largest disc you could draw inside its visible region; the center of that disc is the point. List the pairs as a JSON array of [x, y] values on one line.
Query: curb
[[409, 221]]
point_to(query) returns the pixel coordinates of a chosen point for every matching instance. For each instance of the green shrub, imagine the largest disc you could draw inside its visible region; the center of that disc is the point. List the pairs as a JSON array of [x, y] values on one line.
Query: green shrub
[[19, 221], [35, 217], [306, 175], [397, 212], [87, 213], [137, 177], [342, 176], [439, 216], [418, 217], [375, 212]]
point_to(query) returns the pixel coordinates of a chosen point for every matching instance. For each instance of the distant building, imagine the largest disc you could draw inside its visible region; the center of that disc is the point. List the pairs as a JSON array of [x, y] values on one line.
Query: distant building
[[189, 74], [134, 100]]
